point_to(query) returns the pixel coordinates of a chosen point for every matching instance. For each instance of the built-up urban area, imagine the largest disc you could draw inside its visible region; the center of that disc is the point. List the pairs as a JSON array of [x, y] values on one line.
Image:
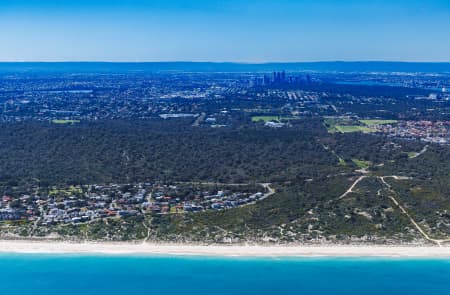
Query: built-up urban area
[[75, 204]]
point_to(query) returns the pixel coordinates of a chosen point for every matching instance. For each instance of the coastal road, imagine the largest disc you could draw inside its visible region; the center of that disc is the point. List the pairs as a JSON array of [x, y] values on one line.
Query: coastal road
[[267, 186], [270, 191]]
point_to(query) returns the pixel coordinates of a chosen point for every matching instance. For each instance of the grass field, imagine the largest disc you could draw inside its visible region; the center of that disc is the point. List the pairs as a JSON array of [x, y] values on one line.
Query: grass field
[[361, 163], [271, 118], [265, 118], [57, 121], [67, 191], [377, 122], [345, 126], [411, 154], [353, 128], [330, 124]]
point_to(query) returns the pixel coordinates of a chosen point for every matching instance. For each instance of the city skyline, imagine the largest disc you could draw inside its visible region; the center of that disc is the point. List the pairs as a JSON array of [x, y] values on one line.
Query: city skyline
[[224, 31]]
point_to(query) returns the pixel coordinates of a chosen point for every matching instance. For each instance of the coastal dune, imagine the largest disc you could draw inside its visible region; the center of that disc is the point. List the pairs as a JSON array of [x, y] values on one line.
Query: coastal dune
[[57, 247]]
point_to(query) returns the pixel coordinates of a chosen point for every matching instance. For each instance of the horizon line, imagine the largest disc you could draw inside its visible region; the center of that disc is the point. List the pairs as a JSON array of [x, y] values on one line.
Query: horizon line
[[219, 62]]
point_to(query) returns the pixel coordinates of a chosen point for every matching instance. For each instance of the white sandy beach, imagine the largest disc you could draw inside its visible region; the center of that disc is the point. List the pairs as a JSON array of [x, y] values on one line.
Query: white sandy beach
[[48, 247]]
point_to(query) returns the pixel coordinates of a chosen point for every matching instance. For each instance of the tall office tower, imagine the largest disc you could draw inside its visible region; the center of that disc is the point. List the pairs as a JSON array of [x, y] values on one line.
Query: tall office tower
[[283, 76]]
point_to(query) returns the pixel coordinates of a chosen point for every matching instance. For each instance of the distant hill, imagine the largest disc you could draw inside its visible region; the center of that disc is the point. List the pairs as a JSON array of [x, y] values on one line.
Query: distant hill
[[115, 67]]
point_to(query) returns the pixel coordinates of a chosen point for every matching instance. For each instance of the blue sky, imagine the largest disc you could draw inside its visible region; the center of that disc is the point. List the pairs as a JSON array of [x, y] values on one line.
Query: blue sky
[[233, 30]]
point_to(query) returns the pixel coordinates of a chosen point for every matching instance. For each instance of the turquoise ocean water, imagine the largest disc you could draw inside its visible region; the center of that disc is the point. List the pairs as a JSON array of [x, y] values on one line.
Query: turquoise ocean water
[[74, 274]]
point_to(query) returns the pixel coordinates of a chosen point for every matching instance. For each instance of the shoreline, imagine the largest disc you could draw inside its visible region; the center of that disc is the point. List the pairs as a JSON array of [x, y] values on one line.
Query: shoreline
[[153, 249]]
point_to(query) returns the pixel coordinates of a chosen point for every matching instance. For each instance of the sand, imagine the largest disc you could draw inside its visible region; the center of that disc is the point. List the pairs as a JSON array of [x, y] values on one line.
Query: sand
[[58, 247]]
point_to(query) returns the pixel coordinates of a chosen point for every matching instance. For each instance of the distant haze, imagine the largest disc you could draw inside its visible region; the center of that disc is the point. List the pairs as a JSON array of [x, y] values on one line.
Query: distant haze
[[121, 67], [224, 30]]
